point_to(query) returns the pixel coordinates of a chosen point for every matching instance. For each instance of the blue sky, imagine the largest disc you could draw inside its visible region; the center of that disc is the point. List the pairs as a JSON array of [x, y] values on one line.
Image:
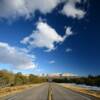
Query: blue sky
[[54, 36]]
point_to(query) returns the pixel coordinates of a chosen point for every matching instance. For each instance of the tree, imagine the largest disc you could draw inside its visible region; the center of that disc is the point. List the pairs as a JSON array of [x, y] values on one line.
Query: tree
[[20, 79], [6, 78]]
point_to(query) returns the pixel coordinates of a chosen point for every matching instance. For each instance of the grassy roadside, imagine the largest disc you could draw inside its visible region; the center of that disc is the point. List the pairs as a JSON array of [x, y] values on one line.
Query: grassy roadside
[[82, 90], [15, 89]]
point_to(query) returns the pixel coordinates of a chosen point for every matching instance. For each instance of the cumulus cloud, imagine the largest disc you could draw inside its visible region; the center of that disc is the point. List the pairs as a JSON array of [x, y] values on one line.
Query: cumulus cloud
[[25, 8], [71, 10], [16, 57], [45, 36]]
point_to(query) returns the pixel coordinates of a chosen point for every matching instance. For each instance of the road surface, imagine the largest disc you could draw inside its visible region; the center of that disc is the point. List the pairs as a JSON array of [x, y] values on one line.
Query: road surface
[[61, 93], [41, 93], [35, 93]]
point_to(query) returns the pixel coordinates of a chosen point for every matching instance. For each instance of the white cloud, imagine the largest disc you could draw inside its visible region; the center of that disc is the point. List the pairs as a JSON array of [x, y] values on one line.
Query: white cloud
[[71, 10], [51, 62], [16, 57], [68, 31], [45, 37], [26, 8], [68, 50]]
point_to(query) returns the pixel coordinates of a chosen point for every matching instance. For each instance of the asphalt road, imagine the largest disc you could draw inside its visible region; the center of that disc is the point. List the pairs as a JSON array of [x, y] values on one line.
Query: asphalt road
[[61, 93], [35, 93], [41, 93]]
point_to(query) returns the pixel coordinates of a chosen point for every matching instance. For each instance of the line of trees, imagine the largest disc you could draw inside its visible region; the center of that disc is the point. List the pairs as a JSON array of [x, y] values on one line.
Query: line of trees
[[10, 79], [90, 80]]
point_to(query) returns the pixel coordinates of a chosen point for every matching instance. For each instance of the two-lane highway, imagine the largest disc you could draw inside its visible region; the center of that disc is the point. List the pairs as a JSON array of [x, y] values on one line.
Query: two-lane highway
[[41, 93]]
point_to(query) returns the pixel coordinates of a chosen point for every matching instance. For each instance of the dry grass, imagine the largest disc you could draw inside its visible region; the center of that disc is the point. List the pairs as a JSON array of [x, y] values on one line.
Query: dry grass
[[15, 89], [82, 90]]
